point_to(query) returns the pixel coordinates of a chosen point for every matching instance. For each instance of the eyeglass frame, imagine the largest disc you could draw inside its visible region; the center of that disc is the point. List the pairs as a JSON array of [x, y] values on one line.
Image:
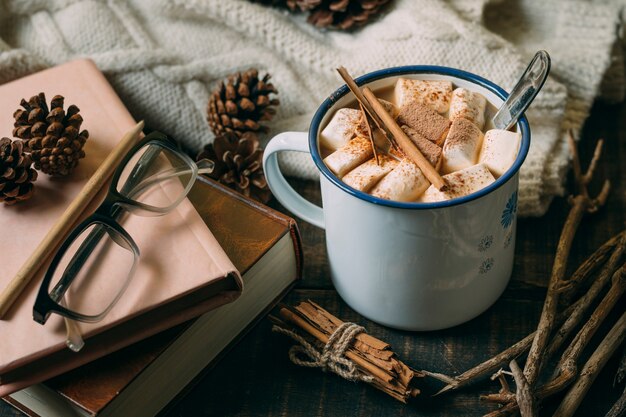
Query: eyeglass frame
[[106, 214]]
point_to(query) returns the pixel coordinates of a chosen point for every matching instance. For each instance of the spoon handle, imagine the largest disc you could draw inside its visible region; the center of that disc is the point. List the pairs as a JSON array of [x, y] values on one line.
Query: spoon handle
[[524, 91]]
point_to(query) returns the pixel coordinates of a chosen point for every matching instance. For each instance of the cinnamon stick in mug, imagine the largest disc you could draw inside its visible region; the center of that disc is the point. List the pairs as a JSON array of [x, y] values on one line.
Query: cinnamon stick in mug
[[405, 143]]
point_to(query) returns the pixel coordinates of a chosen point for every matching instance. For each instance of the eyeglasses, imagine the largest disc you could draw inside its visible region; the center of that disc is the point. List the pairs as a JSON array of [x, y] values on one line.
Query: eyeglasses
[[95, 264]]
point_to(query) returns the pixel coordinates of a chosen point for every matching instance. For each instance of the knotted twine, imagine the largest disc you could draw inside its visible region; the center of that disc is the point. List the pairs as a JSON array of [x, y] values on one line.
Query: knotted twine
[[332, 356]]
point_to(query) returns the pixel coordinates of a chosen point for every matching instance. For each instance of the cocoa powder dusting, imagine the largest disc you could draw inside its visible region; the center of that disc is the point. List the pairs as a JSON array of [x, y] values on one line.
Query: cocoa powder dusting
[[461, 131], [425, 121], [431, 151]]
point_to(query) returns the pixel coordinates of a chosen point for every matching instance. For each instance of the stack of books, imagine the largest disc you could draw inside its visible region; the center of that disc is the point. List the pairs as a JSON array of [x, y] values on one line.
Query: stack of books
[[136, 364]]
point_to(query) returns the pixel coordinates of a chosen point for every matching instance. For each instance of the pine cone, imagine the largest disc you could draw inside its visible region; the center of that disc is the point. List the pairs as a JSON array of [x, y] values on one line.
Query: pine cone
[[16, 173], [340, 14], [51, 136], [239, 105], [238, 164]]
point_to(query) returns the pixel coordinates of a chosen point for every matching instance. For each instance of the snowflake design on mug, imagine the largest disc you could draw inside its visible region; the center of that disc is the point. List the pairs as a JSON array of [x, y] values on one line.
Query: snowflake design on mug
[[485, 243], [486, 266], [508, 238], [508, 214]]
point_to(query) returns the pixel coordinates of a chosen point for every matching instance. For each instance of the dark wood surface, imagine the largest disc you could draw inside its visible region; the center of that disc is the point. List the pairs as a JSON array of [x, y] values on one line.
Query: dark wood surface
[[257, 379]]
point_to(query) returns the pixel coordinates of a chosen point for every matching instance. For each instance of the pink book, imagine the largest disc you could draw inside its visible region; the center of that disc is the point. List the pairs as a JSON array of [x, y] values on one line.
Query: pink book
[[182, 272]]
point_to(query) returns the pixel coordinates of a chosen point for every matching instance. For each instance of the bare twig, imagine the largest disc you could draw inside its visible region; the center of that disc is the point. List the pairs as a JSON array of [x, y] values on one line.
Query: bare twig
[[619, 408], [523, 392], [567, 376], [592, 368], [490, 365], [621, 370], [567, 369], [588, 298], [483, 369], [581, 203], [501, 376], [583, 272], [586, 179], [582, 339]]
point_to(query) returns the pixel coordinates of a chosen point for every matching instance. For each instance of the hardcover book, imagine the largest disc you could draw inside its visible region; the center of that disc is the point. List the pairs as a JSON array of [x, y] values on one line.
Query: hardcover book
[[141, 379], [182, 272]]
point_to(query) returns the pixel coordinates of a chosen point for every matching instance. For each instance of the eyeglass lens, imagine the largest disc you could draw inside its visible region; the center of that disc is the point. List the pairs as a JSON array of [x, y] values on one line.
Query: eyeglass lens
[[94, 271], [156, 177]]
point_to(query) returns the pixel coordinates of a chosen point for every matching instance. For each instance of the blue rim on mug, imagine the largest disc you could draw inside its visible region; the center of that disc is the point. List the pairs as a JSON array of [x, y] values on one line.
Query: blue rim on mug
[[416, 69]]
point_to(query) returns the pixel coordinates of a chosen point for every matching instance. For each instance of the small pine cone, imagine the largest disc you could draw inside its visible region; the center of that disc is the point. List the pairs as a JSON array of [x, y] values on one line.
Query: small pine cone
[[238, 164], [239, 105], [340, 14], [16, 174], [52, 136]]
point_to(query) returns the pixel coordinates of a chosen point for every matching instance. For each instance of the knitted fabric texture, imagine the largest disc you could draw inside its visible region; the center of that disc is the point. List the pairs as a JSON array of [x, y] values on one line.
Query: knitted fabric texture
[[163, 58]]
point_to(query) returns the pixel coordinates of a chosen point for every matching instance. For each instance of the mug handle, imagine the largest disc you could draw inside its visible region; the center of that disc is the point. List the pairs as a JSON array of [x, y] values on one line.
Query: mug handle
[[288, 197]]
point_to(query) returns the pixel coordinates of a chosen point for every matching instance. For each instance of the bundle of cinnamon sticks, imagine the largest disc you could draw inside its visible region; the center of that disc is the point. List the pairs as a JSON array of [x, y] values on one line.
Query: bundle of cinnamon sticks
[[371, 356]]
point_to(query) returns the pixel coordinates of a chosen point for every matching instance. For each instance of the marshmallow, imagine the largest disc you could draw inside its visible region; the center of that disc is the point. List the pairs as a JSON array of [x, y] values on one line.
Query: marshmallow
[[340, 129], [462, 146], [468, 105], [434, 94], [460, 184], [405, 183], [430, 151], [425, 121], [354, 153], [499, 150], [366, 175]]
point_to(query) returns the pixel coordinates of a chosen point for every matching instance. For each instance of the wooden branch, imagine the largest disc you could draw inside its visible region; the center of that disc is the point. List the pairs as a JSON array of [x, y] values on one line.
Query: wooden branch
[[594, 162], [523, 392], [592, 368], [582, 339], [490, 365], [583, 272], [621, 370], [567, 369], [405, 143], [619, 408], [509, 403], [578, 175], [501, 376], [483, 369], [548, 314], [588, 298], [581, 203]]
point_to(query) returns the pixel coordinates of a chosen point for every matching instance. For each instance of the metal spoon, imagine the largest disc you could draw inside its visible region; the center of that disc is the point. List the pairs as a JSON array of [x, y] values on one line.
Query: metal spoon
[[524, 91]]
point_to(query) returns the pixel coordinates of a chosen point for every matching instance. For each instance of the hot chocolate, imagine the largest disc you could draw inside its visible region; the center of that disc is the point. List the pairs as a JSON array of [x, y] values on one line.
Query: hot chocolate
[[447, 124]]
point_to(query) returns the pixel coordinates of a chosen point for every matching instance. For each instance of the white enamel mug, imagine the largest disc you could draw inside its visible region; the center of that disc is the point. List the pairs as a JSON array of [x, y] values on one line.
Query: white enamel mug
[[412, 266]]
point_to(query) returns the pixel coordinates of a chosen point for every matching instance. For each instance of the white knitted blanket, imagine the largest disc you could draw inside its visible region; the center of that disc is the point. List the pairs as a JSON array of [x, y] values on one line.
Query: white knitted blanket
[[164, 56]]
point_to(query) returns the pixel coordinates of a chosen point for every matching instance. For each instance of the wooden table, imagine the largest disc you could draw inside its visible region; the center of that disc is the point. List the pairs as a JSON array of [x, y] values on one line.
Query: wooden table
[[256, 377]]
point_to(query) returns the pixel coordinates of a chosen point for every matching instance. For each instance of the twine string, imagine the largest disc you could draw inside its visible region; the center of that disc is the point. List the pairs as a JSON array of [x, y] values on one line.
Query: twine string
[[332, 357]]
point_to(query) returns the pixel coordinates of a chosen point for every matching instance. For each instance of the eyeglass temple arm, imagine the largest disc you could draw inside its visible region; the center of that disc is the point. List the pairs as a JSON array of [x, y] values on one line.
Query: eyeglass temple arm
[[204, 167]]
